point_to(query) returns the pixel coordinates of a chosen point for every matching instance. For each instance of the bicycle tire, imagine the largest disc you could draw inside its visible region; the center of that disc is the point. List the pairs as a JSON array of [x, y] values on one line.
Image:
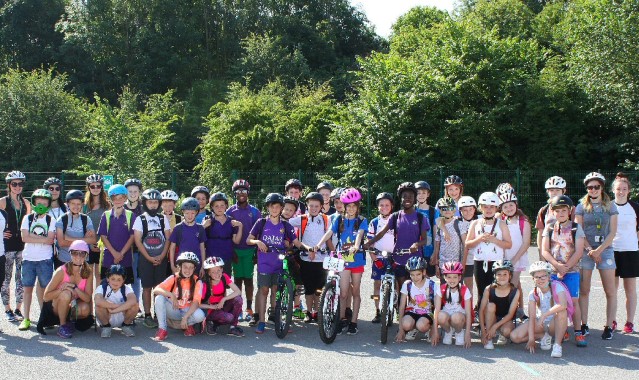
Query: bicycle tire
[[328, 314], [384, 307], [284, 306]]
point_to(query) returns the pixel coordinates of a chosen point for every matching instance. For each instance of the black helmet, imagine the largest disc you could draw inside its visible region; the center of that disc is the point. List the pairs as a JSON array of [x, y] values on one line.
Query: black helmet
[[324, 185], [190, 204], [201, 189], [337, 192], [273, 198], [219, 197], [292, 201], [415, 263], [117, 269], [404, 187], [52, 181], [74, 194], [381, 196], [422, 185], [133, 182], [453, 180], [148, 195], [293, 182], [93, 178], [316, 196], [561, 200]]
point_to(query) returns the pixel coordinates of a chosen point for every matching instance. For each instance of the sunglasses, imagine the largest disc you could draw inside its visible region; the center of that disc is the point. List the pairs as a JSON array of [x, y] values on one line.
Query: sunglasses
[[95, 187], [54, 188], [17, 184], [78, 253], [594, 187], [447, 209], [242, 191]]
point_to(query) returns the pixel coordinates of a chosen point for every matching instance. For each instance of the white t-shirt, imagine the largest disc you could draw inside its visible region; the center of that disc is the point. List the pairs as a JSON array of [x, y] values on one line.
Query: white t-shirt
[[544, 300], [155, 239], [488, 251], [387, 242], [313, 233], [454, 306], [626, 238], [517, 240], [38, 251], [111, 296], [419, 301]]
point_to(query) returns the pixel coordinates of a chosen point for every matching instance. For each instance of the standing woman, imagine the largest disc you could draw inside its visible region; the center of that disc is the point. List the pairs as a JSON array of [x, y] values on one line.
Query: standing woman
[[626, 247], [16, 208], [58, 208], [95, 204], [598, 215]]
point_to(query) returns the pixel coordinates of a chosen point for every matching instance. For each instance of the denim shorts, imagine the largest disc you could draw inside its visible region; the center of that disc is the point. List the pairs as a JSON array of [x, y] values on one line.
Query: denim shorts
[[571, 280], [607, 261], [43, 270]]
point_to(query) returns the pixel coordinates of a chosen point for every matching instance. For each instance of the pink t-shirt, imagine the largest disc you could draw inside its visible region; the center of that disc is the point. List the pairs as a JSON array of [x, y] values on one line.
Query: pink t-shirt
[[218, 291]]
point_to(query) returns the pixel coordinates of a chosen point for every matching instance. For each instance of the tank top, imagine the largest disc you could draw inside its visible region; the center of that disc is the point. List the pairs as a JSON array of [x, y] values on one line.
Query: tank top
[[517, 240], [82, 285], [502, 304], [14, 219], [488, 251]]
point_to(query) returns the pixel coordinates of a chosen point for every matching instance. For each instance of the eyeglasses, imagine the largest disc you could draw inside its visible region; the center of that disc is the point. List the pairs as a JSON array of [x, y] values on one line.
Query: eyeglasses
[[78, 253], [241, 191], [541, 277], [17, 184], [594, 187], [54, 188], [95, 187]]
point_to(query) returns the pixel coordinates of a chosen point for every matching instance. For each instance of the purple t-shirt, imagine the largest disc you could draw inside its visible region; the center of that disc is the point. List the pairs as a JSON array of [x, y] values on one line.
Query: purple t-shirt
[[273, 235], [119, 233], [247, 216], [190, 240], [219, 239], [407, 232]]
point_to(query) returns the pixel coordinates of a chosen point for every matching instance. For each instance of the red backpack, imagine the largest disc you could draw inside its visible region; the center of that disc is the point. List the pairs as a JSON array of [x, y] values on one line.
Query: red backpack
[[462, 301]]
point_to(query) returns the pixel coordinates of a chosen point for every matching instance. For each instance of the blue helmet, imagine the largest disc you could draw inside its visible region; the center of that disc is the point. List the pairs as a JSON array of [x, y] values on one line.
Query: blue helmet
[[117, 189], [415, 263], [190, 204]]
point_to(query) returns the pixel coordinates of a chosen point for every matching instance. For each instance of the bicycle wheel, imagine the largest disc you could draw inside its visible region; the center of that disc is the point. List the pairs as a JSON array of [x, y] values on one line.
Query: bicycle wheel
[[386, 315], [284, 306], [328, 316]]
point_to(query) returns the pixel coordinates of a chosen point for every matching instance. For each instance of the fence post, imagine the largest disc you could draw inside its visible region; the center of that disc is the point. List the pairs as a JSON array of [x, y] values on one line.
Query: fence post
[[300, 175], [369, 186], [518, 180], [174, 181], [62, 178], [441, 181], [234, 175]]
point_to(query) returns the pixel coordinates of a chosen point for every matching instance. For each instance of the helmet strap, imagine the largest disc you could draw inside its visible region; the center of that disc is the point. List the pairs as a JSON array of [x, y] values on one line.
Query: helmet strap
[[491, 218]]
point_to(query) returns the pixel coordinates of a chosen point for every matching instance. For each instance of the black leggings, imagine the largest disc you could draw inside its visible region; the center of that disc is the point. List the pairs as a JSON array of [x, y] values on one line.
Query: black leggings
[[482, 279]]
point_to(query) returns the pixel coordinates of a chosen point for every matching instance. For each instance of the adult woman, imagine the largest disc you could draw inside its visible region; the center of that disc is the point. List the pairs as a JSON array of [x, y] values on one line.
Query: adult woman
[[95, 204], [598, 215], [54, 185]]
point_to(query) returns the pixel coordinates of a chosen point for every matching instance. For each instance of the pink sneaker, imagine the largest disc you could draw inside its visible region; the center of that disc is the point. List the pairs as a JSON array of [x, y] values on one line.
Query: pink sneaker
[[161, 335], [629, 328]]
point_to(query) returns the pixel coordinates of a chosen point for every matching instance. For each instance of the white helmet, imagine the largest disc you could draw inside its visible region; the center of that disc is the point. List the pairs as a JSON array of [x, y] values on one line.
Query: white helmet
[[466, 201], [12, 176], [488, 199], [555, 182], [595, 176], [508, 197], [539, 266], [212, 262], [504, 188], [169, 195]]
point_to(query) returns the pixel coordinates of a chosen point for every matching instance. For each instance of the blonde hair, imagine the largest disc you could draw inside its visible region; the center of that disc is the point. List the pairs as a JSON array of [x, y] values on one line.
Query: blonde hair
[[606, 202]]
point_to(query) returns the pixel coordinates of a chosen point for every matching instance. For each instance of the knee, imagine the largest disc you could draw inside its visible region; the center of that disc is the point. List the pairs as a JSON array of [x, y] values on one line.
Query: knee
[[64, 297], [83, 309], [457, 319], [442, 318], [423, 325]]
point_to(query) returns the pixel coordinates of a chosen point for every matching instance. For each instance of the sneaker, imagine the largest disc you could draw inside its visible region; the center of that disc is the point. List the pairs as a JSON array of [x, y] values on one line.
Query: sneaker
[[299, 313], [128, 331], [211, 328], [10, 316], [161, 335], [460, 338], [150, 322], [348, 314], [64, 332], [308, 318], [585, 330], [614, 326], [412, 334], [190, 331], [580, 339], [489, 345], [235, 331], [352, 329], [253, 320], [106, 332], [629, 328], [556, 351], [377, 318], [198, 328], [24, 325], [343, 325], [261, 326], [607, 333], [248, 315], [448, 337], [546, 342], [501, 340], [18, 315], [566, 337], [140, 315], [314, 316]]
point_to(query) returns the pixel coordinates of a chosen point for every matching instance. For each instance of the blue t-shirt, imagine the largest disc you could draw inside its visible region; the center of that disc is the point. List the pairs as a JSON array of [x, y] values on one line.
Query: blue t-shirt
[[347, 239], [273, 235], [74, 230], [429, 248]]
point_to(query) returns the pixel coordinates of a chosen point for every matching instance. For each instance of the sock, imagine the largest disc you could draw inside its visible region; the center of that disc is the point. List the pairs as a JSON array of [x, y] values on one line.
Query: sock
[[107, 325]]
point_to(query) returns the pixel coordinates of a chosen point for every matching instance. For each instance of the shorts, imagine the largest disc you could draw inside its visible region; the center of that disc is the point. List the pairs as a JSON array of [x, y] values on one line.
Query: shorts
[[400, 271], [115, 320], [313, 277], [245, 264], [94, 257], [267, 279], [43, 270], [627, 264], [571, 280], [356, 269], [127, 280], [377, 273], [151, 275], [416, 317], [607, 261], [469, 270]]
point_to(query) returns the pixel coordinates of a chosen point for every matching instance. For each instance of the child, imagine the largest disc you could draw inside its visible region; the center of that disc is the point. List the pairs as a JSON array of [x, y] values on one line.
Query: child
[[454, 188], [169, 200], [73, 225], [202, 196], [95, 204], [188, 235], [325, 189], [555, 186], [498, 306], [115, 302], [221, 231], [293, 189], [563, 246], [432, 213], [223, 309], [453, 307], [449, 240], [385, 207], [549, 302], [291, 206], [468, 210], [417, 300], [116, 233], [133, 204], [179, 297]]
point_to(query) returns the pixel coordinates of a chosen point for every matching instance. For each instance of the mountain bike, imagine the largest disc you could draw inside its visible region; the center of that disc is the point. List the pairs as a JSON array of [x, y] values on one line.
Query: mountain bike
[[328, 317]]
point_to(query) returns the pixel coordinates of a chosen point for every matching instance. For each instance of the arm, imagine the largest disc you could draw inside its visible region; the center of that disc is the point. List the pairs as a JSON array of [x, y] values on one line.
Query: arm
[[469, 321], [505, 233], [471, 240], [434, 259], [28, 237], [401, 334], [611, 236], [238, 235], [52, 292], [137, 236], [172, 257], [434, 336], [299, 245], [326, 238], [82, 294], [380, 234], [251, 240], [99, 301], [131, 301]]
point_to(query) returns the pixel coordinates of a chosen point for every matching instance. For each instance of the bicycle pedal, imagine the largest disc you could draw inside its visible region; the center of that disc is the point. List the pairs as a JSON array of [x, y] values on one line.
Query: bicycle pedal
[[374, 297]]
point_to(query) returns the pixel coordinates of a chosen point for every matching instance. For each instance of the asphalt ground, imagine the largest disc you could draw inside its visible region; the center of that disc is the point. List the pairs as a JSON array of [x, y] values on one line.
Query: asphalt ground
[[28, 355]]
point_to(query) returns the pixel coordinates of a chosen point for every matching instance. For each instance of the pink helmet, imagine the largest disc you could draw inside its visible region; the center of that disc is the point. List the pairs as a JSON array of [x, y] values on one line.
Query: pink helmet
[[453, 267], [350, 195], [79, 245]]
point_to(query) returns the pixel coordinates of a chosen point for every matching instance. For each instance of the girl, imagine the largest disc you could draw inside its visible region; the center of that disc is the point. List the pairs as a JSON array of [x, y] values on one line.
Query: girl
[[179, 297], [488, 238], [498, 306], [385, 207], [625, 247], [453, 307], [555, 186], [95, 204], [70, 289], [450, 237], [350, 230], [16, 207], [223, 309], [73, 225], [202, 196], [548, 301], [325, 189], [133, 204], [454, 188], [468, 210], [221, 231], [116, 234], [417, 300], [54, 185], [169, 200], [188, 236], [598, 217]]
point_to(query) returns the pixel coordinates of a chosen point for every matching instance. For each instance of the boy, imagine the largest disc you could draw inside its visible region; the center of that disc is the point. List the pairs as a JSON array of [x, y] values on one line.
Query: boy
[[202, 196], [73, 225], [134, 188], [188, 236], [116, 233], [385, 207], [325, 189], [293, 189], [115, 302], [423, 193], [169, 200]]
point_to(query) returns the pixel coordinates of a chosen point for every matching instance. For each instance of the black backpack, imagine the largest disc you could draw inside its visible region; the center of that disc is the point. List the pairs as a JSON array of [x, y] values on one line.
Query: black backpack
[[65, 222], [145, 225], [104, 285]]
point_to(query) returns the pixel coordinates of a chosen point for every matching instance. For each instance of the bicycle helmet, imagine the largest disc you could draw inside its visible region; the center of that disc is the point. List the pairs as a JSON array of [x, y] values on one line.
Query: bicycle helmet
[[169, 195], [350, 195], [555, 182], [133, 182], [241, 184], [507, 197], [74, 194], [488, 199], [316, 196], [324, 185], [415, 263], [423, 185], [446, 202], [561, 201], [187, 257], [453, 180], [504, 188], [292, 201], [15, 175], [79, 245], [116, 269], [466, 201], [406, 186], [41, 193], [93, 178], [117, 189], [52, 181], [201, 189], [595, 176], [452, 267], [502, 264], [293, 182], [274, 198], [540, 266], [219, 197], [151, 194], [190, 204], [337, 192], [381, 196], [212, 262]]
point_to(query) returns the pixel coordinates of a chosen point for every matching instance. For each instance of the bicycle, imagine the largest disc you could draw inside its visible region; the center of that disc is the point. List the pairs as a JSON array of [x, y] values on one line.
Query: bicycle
[[285, 295], [328, 317]]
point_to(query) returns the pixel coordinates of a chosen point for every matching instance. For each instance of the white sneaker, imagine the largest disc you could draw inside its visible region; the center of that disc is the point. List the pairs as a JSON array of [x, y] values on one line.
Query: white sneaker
[[460, 338], [502, 340], [556, 351], [489, 345], [546, 342], [448, 337], [412, 334], [128, 331], [106, 332]]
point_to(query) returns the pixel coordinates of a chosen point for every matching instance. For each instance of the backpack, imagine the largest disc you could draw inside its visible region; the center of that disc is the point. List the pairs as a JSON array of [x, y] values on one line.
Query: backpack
[[420, 221], [31, 218], [207, 289], [104, 285], [570, 308], [65, 223], [431, 291], [128, 214], [462, 301], [145, 225], [304, 219]]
